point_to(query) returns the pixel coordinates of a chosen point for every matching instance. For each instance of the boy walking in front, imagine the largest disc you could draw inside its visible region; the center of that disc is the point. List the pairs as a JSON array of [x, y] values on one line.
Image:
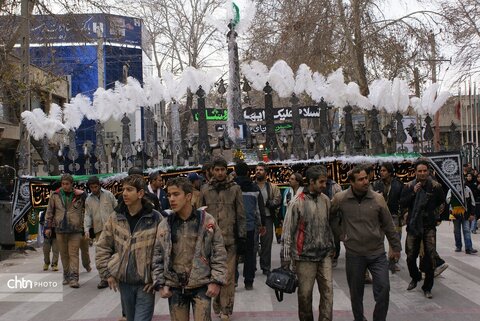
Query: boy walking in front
[[190, 260], [125, 250]]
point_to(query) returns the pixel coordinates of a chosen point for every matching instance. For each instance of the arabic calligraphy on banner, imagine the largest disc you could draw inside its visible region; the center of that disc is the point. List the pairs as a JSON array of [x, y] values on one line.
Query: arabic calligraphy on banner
[[257, 114], [259, 128]]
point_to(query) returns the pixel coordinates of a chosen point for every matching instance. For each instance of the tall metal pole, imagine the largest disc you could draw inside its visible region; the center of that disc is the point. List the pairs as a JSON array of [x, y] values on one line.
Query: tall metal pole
[[203, 142], [234, 96], [475, 102], [461, 114], [271, 138], [433, 64], [471, 109]]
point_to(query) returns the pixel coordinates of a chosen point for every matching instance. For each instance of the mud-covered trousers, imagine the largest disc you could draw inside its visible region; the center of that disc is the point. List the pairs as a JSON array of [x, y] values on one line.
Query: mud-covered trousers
[[307, 273], [412, 248], [223, 303], [181, 300]]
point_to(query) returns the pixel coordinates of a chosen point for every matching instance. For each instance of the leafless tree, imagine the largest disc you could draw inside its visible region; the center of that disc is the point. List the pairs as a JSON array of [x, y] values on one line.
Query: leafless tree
[[328, 34], [463, 20]]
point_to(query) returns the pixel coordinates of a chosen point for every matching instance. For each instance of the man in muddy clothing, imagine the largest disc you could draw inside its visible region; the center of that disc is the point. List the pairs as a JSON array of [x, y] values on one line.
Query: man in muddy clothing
[[308, 239], [125, 250], [425, 200], [224, 201], [65, 213], [189, 260]]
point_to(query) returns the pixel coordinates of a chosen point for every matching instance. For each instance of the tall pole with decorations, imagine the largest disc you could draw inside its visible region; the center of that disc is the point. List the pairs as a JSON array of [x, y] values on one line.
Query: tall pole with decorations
[[234, 98]]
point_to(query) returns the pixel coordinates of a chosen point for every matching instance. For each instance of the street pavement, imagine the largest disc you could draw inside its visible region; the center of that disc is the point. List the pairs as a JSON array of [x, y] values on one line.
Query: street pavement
[[456, 293]]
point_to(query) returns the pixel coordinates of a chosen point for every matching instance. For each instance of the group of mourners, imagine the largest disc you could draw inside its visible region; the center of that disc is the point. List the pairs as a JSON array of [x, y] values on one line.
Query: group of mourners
[[185, 240]]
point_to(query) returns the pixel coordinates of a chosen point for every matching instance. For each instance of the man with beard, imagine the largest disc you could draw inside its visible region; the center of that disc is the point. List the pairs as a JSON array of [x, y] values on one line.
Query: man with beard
[[224, 201], [308, 240], [272, 199], [425, 200]]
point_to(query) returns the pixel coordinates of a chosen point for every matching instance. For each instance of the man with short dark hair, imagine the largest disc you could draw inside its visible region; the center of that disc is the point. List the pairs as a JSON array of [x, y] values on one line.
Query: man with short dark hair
[[125, 250], [272, 199], [391, 190], [361, 219], [189, 260], [425, 200], [255, 217], [99, 204], [224, 200], [308, 240], [65, 213], [156, 188]]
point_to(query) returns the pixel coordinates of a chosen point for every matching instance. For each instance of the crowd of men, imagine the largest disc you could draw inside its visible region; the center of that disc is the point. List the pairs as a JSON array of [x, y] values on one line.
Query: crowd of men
[[186, 240]]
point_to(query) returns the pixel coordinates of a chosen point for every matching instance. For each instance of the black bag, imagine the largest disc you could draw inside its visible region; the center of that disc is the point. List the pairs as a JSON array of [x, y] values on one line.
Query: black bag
[[282, 281]]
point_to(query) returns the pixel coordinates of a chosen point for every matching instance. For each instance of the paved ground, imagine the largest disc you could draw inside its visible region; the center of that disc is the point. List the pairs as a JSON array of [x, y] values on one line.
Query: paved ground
[[456, 294]]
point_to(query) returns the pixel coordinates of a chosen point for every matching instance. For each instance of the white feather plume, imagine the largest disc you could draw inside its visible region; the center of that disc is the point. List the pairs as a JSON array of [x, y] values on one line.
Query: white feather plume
[[154, 90], [303, 79], [431, 101], [73, 112], [400, 95], [336, 88], [318, 88], [281, 78], [355, 98], [381, 93], [256, 73], [39, 125]]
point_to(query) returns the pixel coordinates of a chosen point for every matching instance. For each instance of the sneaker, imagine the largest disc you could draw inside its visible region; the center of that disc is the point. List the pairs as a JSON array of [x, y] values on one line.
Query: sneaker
[[74, 284], [45, 267], [439, 269], [55, 267], [428, 294], [472, 251], [102, 285], [248, 286]]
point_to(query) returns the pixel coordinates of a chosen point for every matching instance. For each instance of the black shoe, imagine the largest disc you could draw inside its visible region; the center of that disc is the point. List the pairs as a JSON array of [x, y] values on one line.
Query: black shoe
[[428, 294], [102, 285], [412, 285], [472, 251], [266, 272], [458, 249], [248, 286]]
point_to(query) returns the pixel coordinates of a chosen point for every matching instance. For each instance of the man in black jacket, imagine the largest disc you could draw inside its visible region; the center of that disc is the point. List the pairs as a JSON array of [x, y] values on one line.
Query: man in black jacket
[[425, 200], [391, 189]]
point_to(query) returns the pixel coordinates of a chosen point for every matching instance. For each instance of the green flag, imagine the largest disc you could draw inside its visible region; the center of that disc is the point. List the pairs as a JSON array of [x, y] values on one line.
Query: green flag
[[236, 18]]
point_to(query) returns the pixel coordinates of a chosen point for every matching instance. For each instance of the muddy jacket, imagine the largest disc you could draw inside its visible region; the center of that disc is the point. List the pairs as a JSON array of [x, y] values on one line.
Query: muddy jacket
[[98, 209], [224, 202], [307, 235], [209, 264], [66, 218], [424, 207], [123, 255]]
